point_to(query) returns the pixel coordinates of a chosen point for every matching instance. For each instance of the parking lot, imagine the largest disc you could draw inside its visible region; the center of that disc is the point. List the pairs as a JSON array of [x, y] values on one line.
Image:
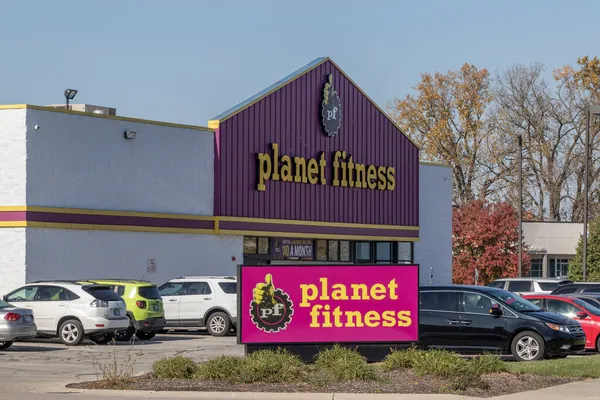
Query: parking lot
[[43, 365]]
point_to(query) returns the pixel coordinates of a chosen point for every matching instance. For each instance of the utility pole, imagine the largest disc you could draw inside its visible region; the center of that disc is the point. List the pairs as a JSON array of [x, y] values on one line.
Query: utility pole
[[521, 205]]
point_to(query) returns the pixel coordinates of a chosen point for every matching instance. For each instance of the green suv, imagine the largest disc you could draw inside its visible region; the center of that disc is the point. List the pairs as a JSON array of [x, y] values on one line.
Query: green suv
[[144, 307]]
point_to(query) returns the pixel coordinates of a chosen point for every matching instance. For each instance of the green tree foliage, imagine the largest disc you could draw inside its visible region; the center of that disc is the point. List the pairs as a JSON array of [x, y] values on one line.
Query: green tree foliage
[[593, 255]]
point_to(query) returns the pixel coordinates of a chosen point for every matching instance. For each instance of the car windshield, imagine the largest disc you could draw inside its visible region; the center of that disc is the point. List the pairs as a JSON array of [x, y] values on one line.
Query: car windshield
[[149, 292], [590, 308], [102, 293], [4, 304], [514, 302], [228, 287]]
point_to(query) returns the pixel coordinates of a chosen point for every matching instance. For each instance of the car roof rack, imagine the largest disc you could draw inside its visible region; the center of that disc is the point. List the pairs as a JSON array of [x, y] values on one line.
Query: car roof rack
[[116, 280], [76, 282], [206, 277]]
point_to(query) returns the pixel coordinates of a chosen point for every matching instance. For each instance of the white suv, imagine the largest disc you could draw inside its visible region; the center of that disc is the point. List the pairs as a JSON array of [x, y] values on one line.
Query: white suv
[[523, 286], [72, 311], [201, 302]]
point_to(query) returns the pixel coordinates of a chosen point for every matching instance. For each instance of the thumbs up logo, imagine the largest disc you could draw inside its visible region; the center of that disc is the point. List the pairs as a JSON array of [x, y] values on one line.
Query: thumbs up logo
[[271, 309]]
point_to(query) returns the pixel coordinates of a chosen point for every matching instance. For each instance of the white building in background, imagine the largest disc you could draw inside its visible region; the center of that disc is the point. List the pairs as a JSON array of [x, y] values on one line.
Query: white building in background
[[552, 245]]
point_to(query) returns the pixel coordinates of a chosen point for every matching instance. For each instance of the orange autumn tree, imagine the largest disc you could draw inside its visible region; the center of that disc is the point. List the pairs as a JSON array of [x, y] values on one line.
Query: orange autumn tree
[[485, 238], [449, 118]]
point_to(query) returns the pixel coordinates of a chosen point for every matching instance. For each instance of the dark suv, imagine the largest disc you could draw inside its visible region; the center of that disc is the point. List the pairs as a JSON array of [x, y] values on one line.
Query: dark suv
[[476, 319], [577, 287]]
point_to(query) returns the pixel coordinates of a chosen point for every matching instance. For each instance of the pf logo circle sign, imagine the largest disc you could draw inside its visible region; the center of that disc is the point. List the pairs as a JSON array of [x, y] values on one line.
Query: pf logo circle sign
[[331, 109], [271, 309]]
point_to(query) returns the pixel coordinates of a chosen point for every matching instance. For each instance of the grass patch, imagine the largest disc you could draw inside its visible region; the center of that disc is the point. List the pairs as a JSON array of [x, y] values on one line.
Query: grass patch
[[115, 372], [571, 367], [179, 367], [265, 366], [344, 364]]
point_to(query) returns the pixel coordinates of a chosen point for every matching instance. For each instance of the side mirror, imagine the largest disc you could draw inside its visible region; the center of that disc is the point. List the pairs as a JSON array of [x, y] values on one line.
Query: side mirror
[[581, 314], [496, 311]]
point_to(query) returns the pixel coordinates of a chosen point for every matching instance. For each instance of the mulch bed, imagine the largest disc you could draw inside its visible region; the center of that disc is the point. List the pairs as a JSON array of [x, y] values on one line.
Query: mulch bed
[[401, 381]]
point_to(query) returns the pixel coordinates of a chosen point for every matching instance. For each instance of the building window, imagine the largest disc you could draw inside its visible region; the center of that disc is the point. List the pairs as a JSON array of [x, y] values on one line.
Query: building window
[[250, 244], [363, 251], [334, 247], [405, 250], [383, 252], [322, 250], [558, 267], [344, 250], [536, 268], [263, 245]]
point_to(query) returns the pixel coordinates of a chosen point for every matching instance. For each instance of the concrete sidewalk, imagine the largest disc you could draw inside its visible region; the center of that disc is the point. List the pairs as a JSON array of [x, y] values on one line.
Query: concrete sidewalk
[[53, 390]]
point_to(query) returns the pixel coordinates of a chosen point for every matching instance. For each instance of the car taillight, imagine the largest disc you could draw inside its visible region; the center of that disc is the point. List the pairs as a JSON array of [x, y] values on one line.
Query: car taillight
[[141, 304], [12, 317], [99, 303]]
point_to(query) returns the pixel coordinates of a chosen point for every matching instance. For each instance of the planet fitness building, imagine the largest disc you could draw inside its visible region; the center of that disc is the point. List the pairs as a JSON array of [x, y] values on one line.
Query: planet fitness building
[[309, 170]]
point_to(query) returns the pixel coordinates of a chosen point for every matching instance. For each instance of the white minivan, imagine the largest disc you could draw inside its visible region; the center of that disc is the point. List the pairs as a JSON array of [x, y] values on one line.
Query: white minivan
[[72, 311], [523, 286]]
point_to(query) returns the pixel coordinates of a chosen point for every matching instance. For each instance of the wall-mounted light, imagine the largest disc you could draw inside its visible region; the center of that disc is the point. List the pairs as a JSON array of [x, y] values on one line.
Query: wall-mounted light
[[70, 95], [129, 134]]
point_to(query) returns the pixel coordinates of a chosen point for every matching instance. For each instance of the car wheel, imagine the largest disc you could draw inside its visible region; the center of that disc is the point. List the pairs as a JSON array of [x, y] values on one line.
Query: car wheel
[[5, 345], [145, 335], [528, 346], [103, 339], [218, 324], [71, 332]]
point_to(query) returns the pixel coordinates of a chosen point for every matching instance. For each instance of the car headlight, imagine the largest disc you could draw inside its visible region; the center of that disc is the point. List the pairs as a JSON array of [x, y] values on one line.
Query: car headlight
[[560, 328]]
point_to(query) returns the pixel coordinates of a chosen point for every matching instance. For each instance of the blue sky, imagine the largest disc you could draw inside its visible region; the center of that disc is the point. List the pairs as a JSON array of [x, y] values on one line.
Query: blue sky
[[188, 60]]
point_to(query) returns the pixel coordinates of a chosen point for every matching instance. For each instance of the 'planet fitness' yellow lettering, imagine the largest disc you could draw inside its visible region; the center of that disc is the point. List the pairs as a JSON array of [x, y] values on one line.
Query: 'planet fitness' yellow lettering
[[346, 172], [322, 316]]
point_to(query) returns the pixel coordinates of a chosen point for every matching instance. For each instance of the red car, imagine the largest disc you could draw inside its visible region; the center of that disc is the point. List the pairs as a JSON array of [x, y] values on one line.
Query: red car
[[585, 313]]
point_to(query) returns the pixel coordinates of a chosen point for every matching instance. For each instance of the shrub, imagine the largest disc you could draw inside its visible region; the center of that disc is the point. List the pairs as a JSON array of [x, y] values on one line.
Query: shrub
[[116, 372], [486, 364], [400, 359], [344, 364], [223, 368], [266, 366], [272, 366], [179, 367]]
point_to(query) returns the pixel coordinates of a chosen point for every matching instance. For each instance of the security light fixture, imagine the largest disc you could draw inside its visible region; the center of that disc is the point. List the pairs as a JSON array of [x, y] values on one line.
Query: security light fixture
[[129, 134], [70, 95]]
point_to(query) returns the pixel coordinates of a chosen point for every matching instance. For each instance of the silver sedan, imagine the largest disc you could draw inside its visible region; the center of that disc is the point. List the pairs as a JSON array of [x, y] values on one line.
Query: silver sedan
[[15, 323]]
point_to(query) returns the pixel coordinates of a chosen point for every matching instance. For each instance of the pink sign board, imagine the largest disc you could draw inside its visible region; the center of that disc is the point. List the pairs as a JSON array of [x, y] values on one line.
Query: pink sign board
[[328, 304]]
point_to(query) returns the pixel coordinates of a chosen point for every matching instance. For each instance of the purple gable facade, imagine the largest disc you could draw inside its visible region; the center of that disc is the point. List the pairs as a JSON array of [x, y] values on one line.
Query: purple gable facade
[[290, 116]]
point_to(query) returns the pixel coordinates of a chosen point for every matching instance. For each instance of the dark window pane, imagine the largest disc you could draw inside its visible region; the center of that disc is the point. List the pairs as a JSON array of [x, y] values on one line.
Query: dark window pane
[[120, 290], [363, 251], [477, 304], [537, 302], [439, 301], [548, 286], [562, 307], [322, 250], [250, 244], [519, 286], [566, 290], [497, 284], [102, 293], [333, 250], [344, 250], [536, 268], [171, 288], [228, 287], [149, 292], [263, 245], [196, 288], [384, 252]]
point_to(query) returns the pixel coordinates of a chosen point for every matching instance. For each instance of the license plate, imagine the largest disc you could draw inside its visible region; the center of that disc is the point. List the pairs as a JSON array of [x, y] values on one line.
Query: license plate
[[27, 319], [156, 307], [117, 311]]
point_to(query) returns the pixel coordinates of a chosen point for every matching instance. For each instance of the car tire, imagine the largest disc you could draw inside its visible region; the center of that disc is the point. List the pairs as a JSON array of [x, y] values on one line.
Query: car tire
[[71, 332], [5, 345], [528, 346], [126, 335], [218, 324], [103, 339], [145, 335]]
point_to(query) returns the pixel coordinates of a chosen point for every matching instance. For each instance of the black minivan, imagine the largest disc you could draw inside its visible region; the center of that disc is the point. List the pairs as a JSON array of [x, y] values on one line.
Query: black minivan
[[476, 319]]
